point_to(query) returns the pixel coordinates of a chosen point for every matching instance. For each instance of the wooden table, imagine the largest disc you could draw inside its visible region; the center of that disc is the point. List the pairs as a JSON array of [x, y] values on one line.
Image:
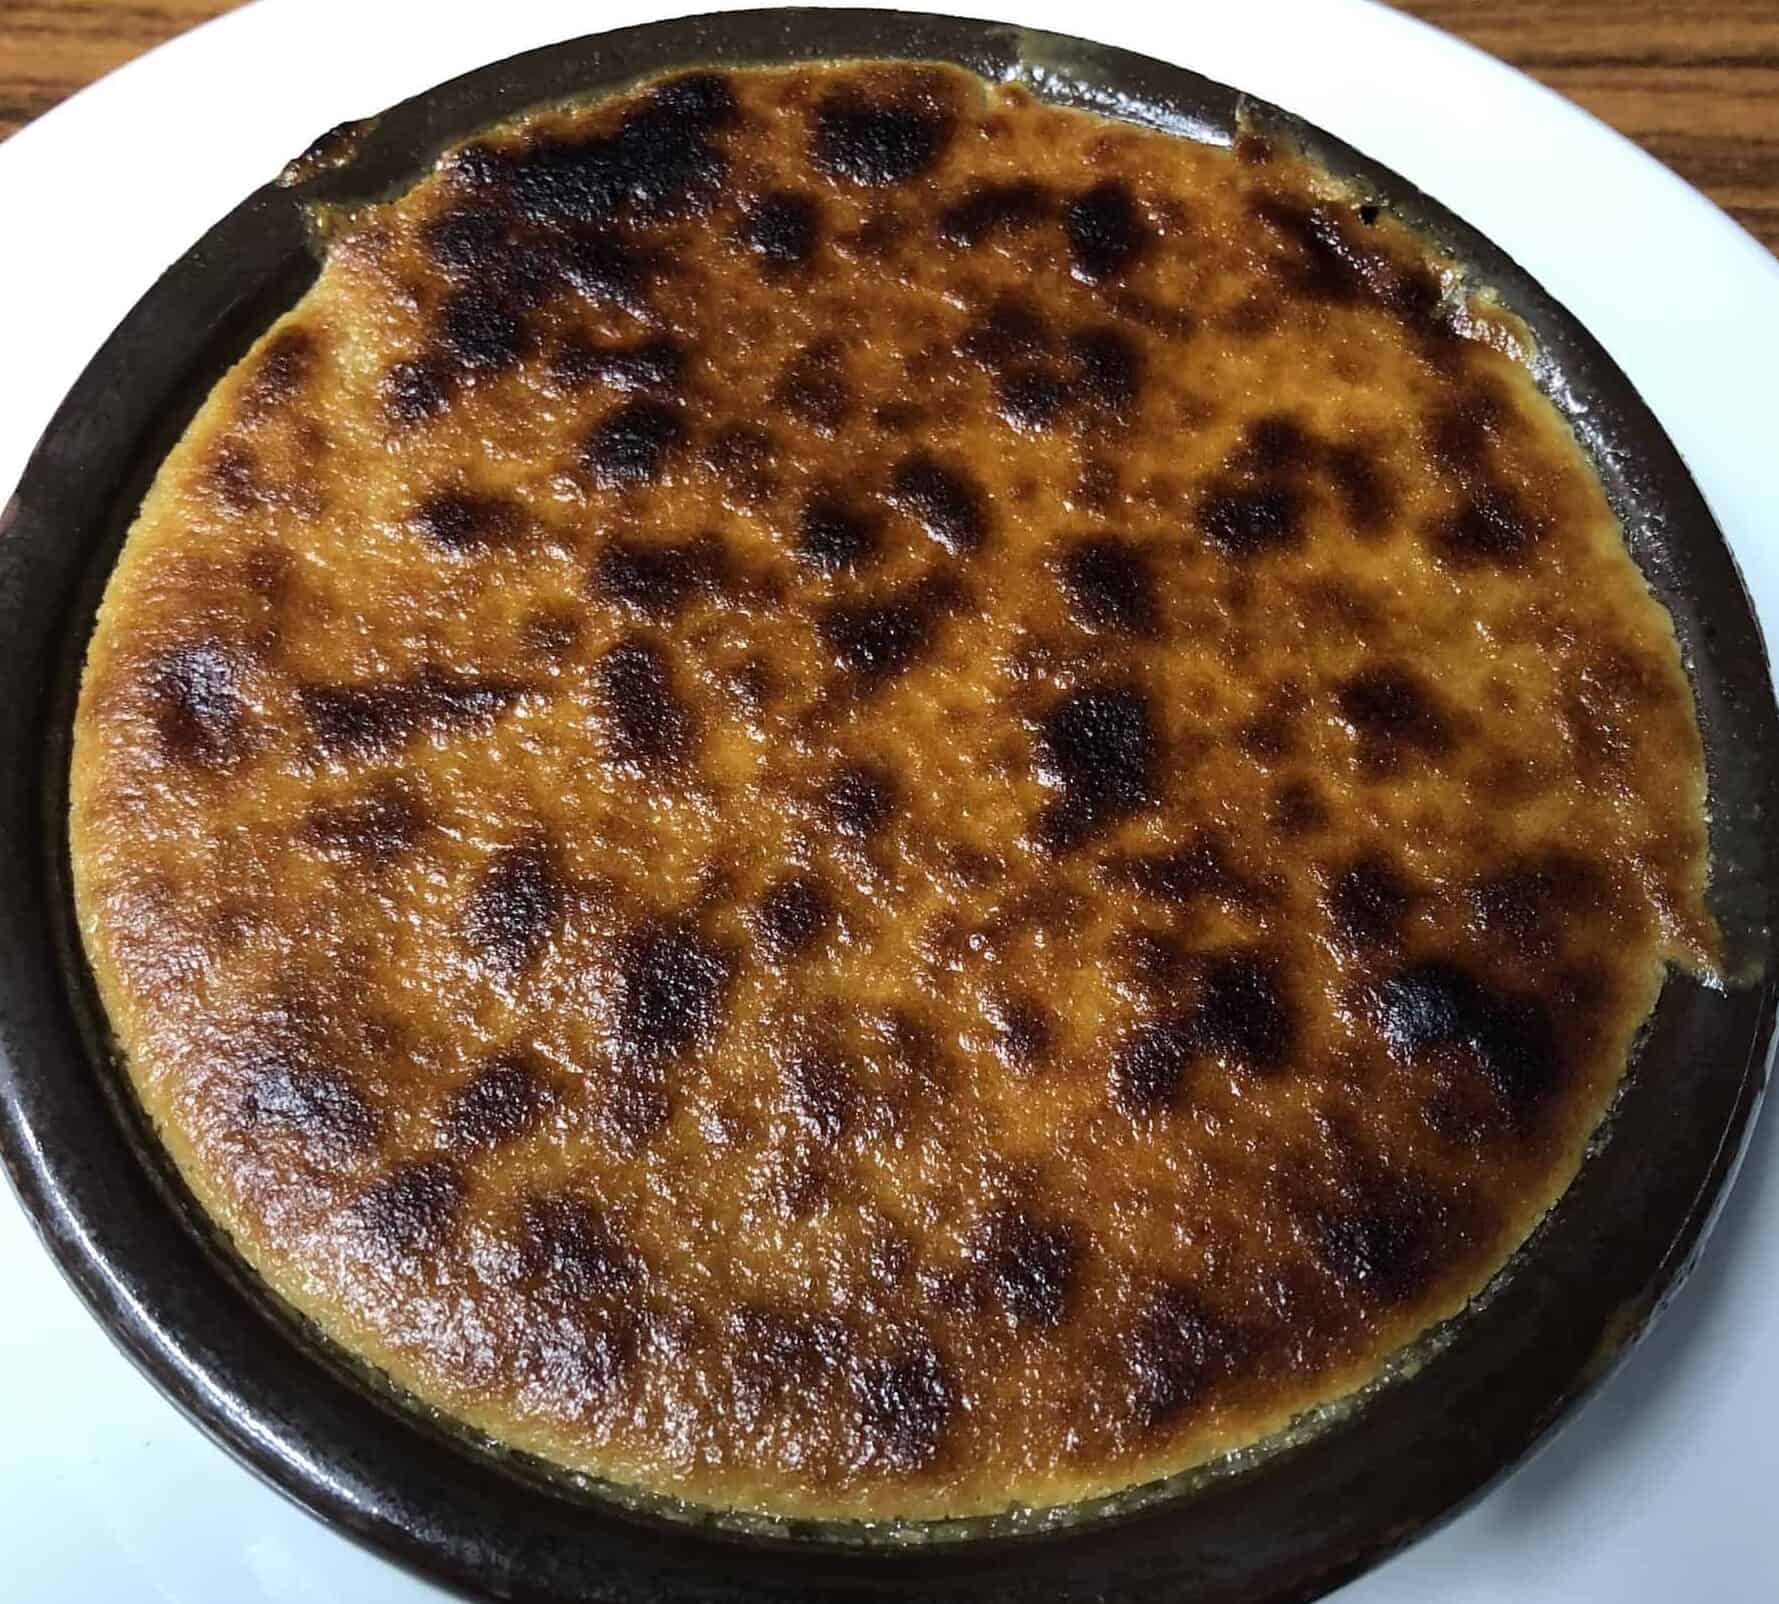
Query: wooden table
[[1697, 85]]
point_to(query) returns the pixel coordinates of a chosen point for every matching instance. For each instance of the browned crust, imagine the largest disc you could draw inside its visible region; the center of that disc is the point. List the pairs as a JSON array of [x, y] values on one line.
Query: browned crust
[[849, 796]]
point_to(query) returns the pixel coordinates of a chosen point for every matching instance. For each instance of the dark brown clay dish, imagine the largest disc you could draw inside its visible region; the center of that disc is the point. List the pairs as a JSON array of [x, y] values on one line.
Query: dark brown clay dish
[[1288, 1520]]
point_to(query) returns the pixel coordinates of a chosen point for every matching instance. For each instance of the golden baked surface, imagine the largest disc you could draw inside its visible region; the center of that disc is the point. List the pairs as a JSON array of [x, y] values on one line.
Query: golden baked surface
[[841, 794]]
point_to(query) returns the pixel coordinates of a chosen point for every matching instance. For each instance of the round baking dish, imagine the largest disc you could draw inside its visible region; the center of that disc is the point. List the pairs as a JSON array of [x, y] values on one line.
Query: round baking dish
[[1287, 1522]]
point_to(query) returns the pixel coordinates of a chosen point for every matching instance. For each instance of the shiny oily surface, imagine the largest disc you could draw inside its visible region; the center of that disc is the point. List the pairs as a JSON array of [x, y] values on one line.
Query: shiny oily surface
[[840, 794]]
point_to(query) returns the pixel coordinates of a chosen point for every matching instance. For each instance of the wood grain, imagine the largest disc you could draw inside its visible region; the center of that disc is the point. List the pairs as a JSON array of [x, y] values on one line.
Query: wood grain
[[1697, 85]]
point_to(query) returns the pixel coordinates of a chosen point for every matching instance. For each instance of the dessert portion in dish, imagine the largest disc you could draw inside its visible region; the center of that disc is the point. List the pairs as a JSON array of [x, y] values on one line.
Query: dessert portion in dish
[[845, 795]]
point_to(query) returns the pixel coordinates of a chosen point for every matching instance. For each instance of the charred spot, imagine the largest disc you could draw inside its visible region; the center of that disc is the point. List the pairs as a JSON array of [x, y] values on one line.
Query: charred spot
[[1028, 1266], [1246, 521], [1173, 1350], [1528, 904], [234, 475], [413, 1209], [1007, 332], [1170, 321], [414, 391], [482, 330], [1271, 734], [903, 1406], [575, 1360], [1380, 1238], [1153, 959], [1256, 315], [1108, 369], [1024, 1031], [656, 580], [899, 417], [874, 641], [1393, 712], [793, 914], [1458, 433], [455, 520], [776, 1349], [814, 388], [1298, 809], [913, 1046], [1384, 1254], [873, 143], [656, 366], [1109, 585], [467, 241], [822, 1093], [359, 720], [1333, 267], [636, 1105], [658, 163], [947, 503], [970, 865], [859, 800], [704, 100], [480, 246], [284, 366], [515, 908], [1413, 292], [1366, 495], [319, 1103], [1275, 444], [1368, 900], [1327, 267], [1031, 398], [1337, 606], [646, 723], [832, 535], [1149, 1064], [602, 269], [478, 166], [200, 714], [783, 228], [994, 208], [1493, 526], [565, 1243], [1097, 749], [743, 456], [374, 829], [632, 445], [1197, 868], [500, 1103], [1434, 1005], [798, 1184], [1243, 1012], [1105, 231], [671, 982]]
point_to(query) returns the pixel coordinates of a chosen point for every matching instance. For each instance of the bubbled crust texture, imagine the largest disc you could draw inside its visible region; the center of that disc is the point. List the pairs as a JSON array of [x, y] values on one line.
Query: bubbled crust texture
[[842, 794]]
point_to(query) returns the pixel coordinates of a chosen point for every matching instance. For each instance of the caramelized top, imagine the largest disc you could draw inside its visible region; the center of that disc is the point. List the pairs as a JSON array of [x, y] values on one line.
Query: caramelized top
[[847, 795]]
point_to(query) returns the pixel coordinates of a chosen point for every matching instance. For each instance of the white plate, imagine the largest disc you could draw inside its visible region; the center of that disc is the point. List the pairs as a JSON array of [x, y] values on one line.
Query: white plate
[[1663, 1488]]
